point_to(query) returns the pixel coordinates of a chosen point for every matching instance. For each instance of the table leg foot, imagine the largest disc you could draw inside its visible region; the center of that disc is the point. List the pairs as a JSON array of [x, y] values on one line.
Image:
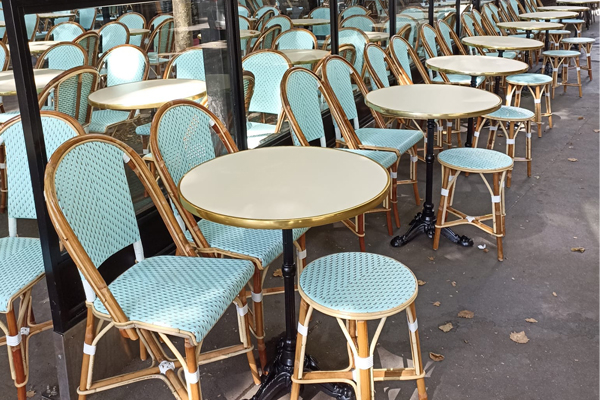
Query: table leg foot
[[422, 224]]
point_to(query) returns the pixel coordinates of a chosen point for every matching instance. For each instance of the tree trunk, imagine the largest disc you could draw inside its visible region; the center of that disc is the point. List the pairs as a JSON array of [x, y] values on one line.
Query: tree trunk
[[182, 14]]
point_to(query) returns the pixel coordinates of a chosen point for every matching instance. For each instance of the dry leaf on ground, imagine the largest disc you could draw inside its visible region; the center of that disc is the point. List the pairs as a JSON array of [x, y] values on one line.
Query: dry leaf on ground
[[420, 282], [436, 357], [466, 314], [446, 327], [578, 249], [554, 294], [453, 283], [30, 393], [431, 258], [277, 272], [572, 159], [437, 304], [580, 118], [519, 337], [531, 320], [597, 130]]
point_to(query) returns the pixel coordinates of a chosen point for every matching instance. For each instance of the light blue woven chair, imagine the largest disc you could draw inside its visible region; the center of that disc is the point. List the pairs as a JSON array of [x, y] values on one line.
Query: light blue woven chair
[[359, 40], [338, 76], [133, 20], [66, 18], [90, 205], [123, 64], [353, 10], [360, 22], [381, 9], [380, 67], [401, 22], [90, 41], [268, 67], [473, 161], [64, 32], [267, 38], [320, 31], [415, 12], [404, 56], [356, 288], [87, 17], [244, 23], [63, 56], [161, 40], [21, 261], [296, 38], [472, 28], [4, 62], [243, 11], [263, 9], [449, 39], [182, 133], [490, 18], [260, 23], [281, 20], [112, 35], [31, 25], [157, 20], [303, 94]]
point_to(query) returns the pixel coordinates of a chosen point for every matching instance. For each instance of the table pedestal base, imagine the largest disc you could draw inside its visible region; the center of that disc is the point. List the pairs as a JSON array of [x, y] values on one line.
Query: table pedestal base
[[426, 225]]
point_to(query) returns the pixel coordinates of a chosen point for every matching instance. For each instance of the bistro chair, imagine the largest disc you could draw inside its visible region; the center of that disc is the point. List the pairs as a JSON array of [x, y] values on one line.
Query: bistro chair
[[123, 64], [471, 28], [296, 38], [260, 22], [157, 20], [562, 58], [244, 23], [181, 140], [268, 67], [89, 202], [284, 21], [64, 32], [359, 40], [112, 35], [360, 22], [402, 22], [320, 31], [261, 11], [539, 87], [380, 67], [352, 11], [266, 40], [302, 94], [381, 9], [243, 11], [4, 62], [21, 262], [490, 18], [90, 41], [63, 56], [32, 22], [386, 287], [161, 41], [248, 82], [87, 17], [133, 20], [449, 39], [585, 45]]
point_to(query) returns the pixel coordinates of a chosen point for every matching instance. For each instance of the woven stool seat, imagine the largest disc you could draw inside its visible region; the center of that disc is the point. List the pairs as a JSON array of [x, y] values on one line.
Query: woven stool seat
[[475, 160], [358, 285], [573, 21], [560, 32], [509, 113], [529, 79], [578, 40], [561, 53]]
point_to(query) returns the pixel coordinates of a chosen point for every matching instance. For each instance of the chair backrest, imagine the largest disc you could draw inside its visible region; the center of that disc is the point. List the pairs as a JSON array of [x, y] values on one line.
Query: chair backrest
[[429, 39], [353, 10], [124, 64], [181, 138], [4, 57], [57, 128], [468, 24], [490, 19], [378, 63], [478, 22], [66, 18], [243, 11], [415, 12], [348, 52], [112, 35], [87, 17], [260, 24], [361, 22], [267, 39], [63, 56], [162, 38], [70, 91], [261, 11], [65, 32], [249, 82], [296, 38], [516, 8], [381, 9], [320, 13], [154, 22], [268, 67], [90, 205], [133, 20], [188, 64], [403, 21], [244, 23], [357, 39], [90, 41], [506, 11], [449, 38], [281, 20], [31, 25]]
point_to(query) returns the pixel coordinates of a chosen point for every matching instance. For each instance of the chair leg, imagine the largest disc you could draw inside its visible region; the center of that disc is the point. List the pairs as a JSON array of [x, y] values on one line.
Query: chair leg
[[589, 61], [498, 223], [442, 206], [246, 338], [300, 346], [365, 383], [85, 363], [578, 66], [509, 94], [510, 148], [528, 147], [192, 375], [259, 320], [537, 99], [393, 200], [411, 314], [16, 354], [478, 128], [360, 229]]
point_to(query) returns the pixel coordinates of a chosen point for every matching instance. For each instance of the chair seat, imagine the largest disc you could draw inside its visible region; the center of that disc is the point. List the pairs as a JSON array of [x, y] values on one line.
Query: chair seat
[[573, 21], [529, 79], [358, 283], [561, 53], [263, 244], [384, 158], [186, 294], [578, 40], [104, 119], [399, 139], [143, 130], [460, 79], [507, 54], [475, 160], [21, 265], [510, 113]]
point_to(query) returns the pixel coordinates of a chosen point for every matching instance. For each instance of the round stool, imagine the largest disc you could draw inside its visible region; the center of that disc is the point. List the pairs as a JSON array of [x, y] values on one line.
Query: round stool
[[562, 57], [585, 45], [538, 85], [355, 288], [476, 161], [577, 24], [556, 36]]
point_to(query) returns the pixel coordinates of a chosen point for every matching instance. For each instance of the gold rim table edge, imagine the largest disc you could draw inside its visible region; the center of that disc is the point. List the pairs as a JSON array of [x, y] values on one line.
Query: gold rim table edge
[[491, 60], [473, 41]]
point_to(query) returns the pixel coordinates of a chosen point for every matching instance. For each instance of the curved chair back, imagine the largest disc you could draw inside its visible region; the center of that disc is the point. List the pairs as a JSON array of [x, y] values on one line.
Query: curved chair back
[[65, 32], [261, 11], [320, 13], [296, 38], [157, 20], [4, 57], [267, 39], [506, 11], [353, 10], [188, 64], [87, 17], [162, 38], [243, 11], [57, 128], [478, 22], [260, 24], [381, 9], [401, 22], [244, 23], [402, 53], [357, 39], [490, 19], [90, 41], [31, 25], [449, 17], [415, 12], [378, 64], [63, 56], [249, 82], [66, 18], [70, 91], [348, 52], [281, 20], [133, 20], [468, 24], [516, 8], [449, 38], [268, 67], [360, 22], [124, 64], [112, 35], [429, 39]]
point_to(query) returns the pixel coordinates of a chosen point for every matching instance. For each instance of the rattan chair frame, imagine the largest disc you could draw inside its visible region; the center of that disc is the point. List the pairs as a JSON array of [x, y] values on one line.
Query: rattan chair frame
[[42, 58], [49, 34], [259, 42], [401, 78], [248, 76], [91, 60], [443, 45]]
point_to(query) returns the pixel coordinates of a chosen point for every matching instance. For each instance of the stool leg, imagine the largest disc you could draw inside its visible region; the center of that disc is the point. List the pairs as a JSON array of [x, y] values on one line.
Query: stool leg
[[85, 363], [578, 66], [259, 320], [589, 60], [459, 142], [509, 93], [360, 228], [365, 384], [498, 228], [492, 134], [518, 96], [478, 128], [411, 315], [537, 99], [554, 75], [528, 147], [300, 349], [510, 148], [192, 367], [393, 201], [442, 207], [548, 106]]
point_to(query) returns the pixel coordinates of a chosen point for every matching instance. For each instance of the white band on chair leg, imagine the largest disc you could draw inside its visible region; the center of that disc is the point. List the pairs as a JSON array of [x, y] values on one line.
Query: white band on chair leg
[[413, 326], [537, 101], [13, 341], [25, 331], [414, 158], [508, 97], [256, 297], [138, 249], [2, 165], [528, 134], [518, 91], [469, 218], [126, 158], [495, 199], [440, 128], [363, 362], [510, 141], [164, 366], [476, 133], [448, 123], [493, 128], [394, 175], [12, 227], [89, 349], [303, 330], [547, 94], [445, 192], [578, 68], [242, 310], [192, 377], [302, 254]]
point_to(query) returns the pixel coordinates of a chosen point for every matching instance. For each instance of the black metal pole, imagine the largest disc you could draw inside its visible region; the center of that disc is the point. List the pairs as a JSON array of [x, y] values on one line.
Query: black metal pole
[[431, 12], [457, 23], [470, 120], [334, 29], [392, 11], [429, 160]]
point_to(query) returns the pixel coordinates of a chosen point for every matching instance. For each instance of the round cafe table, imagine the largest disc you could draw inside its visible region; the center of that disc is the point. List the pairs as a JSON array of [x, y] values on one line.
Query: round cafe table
[[55, 15], [248, 34], [431, 102], [377, 36], [503, 43], [588, 13], [267, 189], [310, 21], [39, 47], [309, 56], [41, 76], [576, 9], [548, 15]]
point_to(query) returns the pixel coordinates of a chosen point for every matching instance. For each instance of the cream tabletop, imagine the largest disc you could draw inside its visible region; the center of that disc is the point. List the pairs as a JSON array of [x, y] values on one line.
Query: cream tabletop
[[55, 15], [432, 101], [145, 95], [267, 188], [564, 8], [39, 47], [502, 43], [248, 34], [476, 65], [548, 15], [138, 31], [310, 21], [530, 25], [578, 1], [41, 76], [377, 36], [298, 57], [2, 23]]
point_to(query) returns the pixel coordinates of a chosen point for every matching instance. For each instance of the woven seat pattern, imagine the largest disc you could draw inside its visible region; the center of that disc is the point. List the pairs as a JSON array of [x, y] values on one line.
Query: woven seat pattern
[[295, 39], [77, 87], [268, 69], [384, 158], [361, 22], [338, 75], [358, 282], [511, 113], [561, 53], [64, 57], [377, 60], [104, 119], [133, 21], [280, 20], [65, 32], [401, 52], [399, 139], [529, 79], [578, 40], [113, 35], [475, 159], [356, 39]]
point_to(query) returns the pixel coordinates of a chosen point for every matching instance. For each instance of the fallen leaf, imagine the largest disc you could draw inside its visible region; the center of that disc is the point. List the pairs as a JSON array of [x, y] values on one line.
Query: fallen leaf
[[453, 283], [597, 130], [30, 393], [580, 118], [431, 258], [420, 282], [277, 272], [572, 159], [500, 135], [486, 250], [519, 337], [579, 249], [446, 327], [466, 314], [554, 294], [531, 320], [436, 357], [437, 304]]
